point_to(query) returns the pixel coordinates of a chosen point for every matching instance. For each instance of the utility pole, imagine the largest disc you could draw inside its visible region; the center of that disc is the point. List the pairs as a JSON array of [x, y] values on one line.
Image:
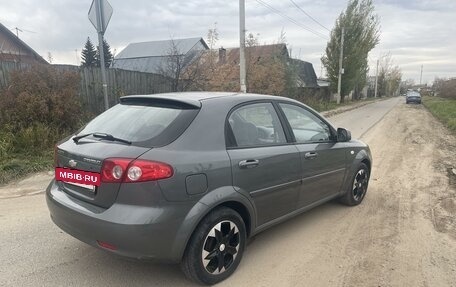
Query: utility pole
[[376, 81], [421, 74], [242, 45], [341, 70], [77, 57]]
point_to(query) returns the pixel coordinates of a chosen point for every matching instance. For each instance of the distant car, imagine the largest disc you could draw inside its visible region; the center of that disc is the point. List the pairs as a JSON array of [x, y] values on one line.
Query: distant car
[[413, 97], [188, 177]]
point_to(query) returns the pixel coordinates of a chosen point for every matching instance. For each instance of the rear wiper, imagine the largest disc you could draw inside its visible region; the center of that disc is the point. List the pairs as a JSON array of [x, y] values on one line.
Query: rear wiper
[[104, 136]]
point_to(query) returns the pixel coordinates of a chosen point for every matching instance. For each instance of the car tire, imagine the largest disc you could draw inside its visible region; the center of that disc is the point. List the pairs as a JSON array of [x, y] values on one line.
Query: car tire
[[221, 233], [358, 187]]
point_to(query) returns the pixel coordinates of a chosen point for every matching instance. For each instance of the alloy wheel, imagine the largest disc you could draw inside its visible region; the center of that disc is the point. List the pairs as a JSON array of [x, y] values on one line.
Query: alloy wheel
[[360, 184], [220, 247]]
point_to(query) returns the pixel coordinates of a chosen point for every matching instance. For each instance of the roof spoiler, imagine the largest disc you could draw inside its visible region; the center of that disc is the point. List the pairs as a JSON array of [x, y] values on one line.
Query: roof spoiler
[[171, 101]]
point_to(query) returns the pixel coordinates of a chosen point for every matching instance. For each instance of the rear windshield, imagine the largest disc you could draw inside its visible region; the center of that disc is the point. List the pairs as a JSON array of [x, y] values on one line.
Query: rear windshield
[[144, 125]]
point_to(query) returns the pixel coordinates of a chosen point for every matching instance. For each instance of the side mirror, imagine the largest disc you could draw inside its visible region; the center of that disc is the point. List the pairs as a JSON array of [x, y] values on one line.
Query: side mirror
[[343, 135]]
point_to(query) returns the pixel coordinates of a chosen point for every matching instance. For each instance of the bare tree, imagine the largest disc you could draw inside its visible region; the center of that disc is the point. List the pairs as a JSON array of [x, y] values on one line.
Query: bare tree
[[212, 38], [177, 68], [389, 78], [445, 88]]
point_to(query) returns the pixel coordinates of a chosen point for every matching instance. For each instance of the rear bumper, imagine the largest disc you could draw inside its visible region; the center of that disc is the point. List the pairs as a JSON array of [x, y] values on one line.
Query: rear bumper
[[413, 100], [158, 233]]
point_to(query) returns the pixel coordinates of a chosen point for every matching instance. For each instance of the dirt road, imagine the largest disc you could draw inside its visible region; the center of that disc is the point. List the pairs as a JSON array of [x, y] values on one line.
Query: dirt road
[[404, 233]]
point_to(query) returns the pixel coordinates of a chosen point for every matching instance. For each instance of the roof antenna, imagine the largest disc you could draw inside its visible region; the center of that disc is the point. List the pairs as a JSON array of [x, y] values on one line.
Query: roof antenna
[[21, 30]]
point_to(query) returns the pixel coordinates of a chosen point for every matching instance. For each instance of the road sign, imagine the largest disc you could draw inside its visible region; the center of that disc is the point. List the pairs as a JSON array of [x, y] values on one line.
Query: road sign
[[105, 15], [100, 13]]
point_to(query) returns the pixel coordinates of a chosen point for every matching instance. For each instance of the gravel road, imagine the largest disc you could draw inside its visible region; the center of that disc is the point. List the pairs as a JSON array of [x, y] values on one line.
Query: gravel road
[[404, 233]]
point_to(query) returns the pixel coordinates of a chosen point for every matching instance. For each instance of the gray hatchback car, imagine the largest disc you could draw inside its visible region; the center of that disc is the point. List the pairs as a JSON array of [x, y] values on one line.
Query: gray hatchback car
[[413, 97], [189, 177]]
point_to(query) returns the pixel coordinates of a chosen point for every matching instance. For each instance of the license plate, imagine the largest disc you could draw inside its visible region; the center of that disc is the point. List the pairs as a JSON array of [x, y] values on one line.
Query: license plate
[[77, 176], [90, 188]]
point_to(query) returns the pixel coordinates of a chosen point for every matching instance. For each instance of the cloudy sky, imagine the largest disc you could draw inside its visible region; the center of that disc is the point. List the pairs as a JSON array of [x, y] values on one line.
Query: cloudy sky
[[415, 33]]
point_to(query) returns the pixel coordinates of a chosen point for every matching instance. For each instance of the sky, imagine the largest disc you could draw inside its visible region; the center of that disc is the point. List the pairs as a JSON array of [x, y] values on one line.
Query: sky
[[419, 33]]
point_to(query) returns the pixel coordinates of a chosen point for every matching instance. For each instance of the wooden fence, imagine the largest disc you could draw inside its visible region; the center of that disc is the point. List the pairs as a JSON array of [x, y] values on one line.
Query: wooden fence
[[120, 83], [5, 71]]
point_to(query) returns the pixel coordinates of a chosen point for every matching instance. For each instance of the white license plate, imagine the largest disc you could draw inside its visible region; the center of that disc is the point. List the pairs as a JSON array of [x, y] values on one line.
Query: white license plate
[[86, 186]]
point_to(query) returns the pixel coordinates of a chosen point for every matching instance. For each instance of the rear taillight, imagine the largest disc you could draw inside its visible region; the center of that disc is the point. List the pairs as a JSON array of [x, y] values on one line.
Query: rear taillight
[[113, 169], [128, 170]]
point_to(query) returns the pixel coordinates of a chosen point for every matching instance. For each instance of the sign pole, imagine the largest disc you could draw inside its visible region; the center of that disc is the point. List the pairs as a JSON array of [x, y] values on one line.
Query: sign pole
[[100, 31]]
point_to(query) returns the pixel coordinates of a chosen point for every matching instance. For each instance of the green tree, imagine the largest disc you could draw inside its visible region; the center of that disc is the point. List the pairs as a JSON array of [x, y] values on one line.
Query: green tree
[[362, 34], [108, 57], [88, 54]]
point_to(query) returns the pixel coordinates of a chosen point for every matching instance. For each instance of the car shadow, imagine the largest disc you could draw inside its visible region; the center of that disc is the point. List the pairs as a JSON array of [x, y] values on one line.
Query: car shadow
[[104, 269]]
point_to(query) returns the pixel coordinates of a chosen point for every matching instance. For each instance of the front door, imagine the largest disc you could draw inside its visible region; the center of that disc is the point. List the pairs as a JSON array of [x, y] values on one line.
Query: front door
[[322, 157]]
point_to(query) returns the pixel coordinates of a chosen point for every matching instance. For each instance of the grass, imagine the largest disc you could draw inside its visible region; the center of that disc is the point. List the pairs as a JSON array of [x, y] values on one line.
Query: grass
[[15, 166], [324, 106], [327, 106], [443, 109]]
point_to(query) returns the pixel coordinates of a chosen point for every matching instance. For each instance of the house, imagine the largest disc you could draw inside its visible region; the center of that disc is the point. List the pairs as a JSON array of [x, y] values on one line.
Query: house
[[154, 56], [256, 53], [229, 58], [307, 78], [13, 49], [323, 82]]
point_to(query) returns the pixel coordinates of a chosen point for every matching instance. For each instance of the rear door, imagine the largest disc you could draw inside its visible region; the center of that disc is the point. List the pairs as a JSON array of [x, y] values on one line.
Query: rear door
[[263, 163], [322, 157]]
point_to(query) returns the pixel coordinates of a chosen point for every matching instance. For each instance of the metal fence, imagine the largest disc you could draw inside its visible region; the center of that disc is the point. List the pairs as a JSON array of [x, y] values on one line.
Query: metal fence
[[120, 83]]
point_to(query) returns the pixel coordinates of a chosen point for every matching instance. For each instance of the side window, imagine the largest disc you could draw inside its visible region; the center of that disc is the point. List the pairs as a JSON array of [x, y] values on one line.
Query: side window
[[256, 125], [306, 126]]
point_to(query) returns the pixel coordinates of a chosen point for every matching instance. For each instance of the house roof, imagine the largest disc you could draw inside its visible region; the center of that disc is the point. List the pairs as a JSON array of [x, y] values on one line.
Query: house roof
[[158, 48], [16, 39], [306, 73], [153, 56]]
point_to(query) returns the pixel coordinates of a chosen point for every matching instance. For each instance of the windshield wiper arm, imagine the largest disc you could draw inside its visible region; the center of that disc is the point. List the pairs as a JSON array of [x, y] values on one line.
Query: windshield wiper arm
[[77, 138], [104, 136]]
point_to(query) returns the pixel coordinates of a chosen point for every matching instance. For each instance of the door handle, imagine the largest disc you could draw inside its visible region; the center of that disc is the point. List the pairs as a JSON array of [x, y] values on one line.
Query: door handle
[[310, 155], [249, 163]]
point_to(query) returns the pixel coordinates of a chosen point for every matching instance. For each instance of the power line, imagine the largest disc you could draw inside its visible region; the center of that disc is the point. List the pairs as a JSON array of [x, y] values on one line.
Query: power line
[[276, 11], [308, 15], [321, 35]]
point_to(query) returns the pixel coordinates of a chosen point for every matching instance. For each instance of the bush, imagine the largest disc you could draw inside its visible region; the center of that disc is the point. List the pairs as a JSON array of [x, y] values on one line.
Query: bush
[[445, 88], [39, 106], [37, 137]]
